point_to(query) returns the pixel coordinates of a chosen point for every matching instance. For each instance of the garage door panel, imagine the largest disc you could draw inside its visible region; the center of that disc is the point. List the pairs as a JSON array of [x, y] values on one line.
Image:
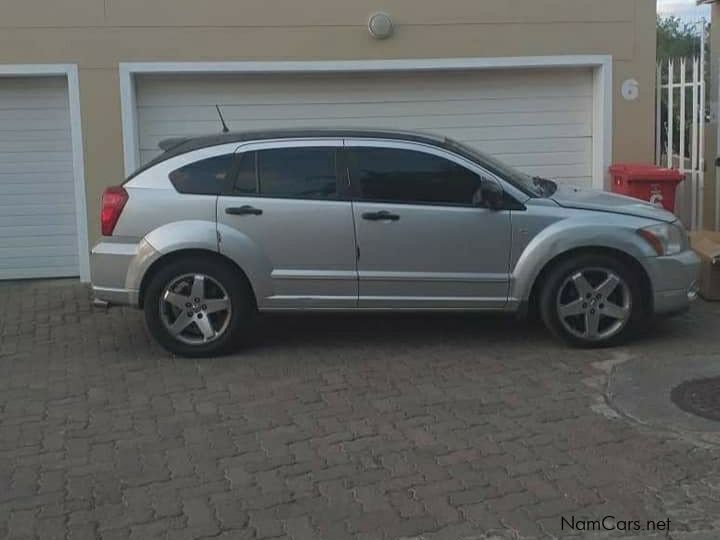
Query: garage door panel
[[38, 219], [540, 120], [467, 118], [29, 94], [481, 134], [39, 241], [20, 101], [537, 159], [417, 121], [31, 147], [29, 157], [558, 171], [16, 200], [50, 207], [48, 86], [147, 155], [48, 218], [22, 263], [42, 124], [44, 115], [40, 272], [32, 251], [41, 135], [326, 98], [349, 88], [35, 166], [42, 188], [235, 112], [346, 94], [500, 147], [39, 230]]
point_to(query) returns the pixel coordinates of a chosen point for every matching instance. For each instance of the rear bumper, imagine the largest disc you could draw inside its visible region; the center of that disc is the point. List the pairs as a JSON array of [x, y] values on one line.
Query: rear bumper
[[117, 270], [674, 281]]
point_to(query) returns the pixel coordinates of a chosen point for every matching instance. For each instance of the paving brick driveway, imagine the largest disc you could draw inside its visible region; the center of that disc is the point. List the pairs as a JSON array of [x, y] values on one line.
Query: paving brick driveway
[[329, 427]]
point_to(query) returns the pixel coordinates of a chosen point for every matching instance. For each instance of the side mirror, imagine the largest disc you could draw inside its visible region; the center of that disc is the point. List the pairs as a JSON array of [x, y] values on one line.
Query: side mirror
[[489, 195]]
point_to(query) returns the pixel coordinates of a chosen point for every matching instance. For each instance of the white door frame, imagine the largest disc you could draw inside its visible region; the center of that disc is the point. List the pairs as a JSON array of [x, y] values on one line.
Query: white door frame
[[602, 107], [70, 72]]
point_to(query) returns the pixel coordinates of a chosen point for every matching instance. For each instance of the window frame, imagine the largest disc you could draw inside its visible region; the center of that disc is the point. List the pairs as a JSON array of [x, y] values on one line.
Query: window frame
[[343, 193], [475, 168]]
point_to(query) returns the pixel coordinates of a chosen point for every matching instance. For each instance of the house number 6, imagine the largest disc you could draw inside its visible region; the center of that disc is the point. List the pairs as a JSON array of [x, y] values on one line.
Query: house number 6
[[631, 90]]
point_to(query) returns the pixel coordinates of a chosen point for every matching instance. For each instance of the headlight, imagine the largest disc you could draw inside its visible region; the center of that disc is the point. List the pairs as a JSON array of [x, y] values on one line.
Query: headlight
[[665, 238]]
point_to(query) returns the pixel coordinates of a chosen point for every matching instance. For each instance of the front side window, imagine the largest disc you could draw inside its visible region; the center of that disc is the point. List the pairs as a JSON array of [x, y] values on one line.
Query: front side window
[[203, 177], [297, 173], [407, 176]]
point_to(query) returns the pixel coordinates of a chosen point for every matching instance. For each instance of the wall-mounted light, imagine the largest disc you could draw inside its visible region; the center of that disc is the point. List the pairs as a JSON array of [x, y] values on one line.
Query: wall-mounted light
[[380, 25]]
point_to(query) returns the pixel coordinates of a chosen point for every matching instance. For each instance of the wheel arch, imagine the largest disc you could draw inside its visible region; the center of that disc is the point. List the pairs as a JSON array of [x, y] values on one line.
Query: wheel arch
[[631, 261], [186, 253]]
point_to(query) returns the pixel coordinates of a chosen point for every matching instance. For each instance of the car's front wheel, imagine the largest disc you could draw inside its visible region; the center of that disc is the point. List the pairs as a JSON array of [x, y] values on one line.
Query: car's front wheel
[[592, 301], [198, 307]]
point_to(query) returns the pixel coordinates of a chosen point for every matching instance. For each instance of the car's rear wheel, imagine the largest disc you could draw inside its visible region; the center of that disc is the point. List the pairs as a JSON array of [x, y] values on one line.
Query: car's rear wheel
[[592, 301], [198, 307]]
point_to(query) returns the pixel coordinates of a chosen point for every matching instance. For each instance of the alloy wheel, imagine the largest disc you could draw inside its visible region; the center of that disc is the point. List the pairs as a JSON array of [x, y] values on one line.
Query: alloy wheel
[[195, 309], [594, 304]]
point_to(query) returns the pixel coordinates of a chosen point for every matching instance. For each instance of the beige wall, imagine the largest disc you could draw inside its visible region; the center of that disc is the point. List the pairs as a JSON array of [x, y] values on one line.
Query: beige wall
[[98, 34]]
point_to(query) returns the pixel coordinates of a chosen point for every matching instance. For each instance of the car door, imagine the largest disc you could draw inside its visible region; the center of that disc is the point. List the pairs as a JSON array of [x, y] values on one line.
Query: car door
[[422, 240], [287, 207]]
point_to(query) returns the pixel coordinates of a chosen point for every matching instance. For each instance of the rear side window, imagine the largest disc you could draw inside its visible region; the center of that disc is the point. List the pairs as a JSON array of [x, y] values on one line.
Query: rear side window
[[203, 177], [297, 173], [406, 176]]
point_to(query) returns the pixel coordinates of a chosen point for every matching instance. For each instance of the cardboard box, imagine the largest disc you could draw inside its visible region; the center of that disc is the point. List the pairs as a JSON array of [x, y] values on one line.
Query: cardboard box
[[707, 245]]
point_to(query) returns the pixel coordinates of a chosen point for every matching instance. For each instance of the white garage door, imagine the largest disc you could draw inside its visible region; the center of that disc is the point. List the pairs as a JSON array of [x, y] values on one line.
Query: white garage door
[[38, 227], [537, 120]]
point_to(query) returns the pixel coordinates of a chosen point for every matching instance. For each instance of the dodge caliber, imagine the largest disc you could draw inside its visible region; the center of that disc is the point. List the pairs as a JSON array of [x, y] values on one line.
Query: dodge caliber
[[219, 228]]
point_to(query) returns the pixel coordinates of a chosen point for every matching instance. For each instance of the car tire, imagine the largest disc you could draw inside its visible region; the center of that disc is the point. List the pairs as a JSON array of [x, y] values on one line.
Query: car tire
[[592, 301], [180, 306]]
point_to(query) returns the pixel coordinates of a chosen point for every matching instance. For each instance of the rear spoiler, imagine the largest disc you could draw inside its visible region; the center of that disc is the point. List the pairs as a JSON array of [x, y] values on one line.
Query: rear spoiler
[[168, 144]]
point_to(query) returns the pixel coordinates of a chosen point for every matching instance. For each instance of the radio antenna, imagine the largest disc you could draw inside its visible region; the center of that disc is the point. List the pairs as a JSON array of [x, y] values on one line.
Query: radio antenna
[[225, 129]]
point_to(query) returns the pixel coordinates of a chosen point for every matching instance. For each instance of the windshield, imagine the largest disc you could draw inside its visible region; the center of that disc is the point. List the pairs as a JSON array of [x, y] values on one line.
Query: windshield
[[532, 186]]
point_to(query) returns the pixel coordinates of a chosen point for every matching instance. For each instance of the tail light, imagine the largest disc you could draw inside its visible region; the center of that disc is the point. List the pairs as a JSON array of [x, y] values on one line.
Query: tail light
[[113, 202]]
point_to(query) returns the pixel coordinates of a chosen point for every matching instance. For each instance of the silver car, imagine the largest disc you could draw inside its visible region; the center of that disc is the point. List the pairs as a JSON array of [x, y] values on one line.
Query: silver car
[[219, 228]]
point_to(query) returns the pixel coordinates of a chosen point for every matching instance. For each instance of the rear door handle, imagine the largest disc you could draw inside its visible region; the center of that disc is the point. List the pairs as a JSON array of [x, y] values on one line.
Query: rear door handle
[[246, 210], [383, 215]]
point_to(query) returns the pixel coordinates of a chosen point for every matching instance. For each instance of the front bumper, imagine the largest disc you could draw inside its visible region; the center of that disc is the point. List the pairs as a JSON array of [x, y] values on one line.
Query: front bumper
[[117, 269], [674, 281]]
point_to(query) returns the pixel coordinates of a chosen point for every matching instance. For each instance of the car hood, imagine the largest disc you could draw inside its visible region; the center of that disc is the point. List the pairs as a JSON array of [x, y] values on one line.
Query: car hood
[[602, 201]]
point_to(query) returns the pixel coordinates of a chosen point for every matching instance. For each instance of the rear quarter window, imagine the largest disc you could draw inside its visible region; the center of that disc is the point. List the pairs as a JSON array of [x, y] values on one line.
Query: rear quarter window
[[205, 177]]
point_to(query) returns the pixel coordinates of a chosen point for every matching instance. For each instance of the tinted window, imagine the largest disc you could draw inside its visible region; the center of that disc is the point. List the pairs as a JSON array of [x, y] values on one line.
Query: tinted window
[[406, 176], [299, 173], [304, 173], [203, 177], [246, 182]]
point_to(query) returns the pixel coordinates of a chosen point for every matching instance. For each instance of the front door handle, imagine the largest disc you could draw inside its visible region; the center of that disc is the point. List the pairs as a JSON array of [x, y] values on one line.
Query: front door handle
[[383, 215], [246, 210]]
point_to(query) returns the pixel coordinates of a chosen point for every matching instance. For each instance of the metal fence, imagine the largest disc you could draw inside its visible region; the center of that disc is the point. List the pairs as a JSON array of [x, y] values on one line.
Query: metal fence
[[680, 130]]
